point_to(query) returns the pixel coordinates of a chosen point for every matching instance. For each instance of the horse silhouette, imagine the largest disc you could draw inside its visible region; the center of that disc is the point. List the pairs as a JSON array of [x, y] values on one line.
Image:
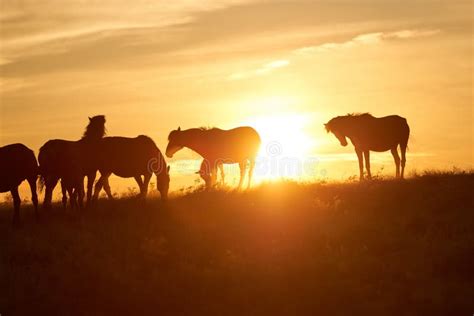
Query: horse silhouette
[[71, 161], [371, 133], [206, 175], [18, 163], [72, 185], [239, 145], [132, 157]]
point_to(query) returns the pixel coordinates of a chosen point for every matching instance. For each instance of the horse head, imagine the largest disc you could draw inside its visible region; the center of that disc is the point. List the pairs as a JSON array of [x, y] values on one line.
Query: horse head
[[163, 183], [334, 127], [96, 127], [174, 143]]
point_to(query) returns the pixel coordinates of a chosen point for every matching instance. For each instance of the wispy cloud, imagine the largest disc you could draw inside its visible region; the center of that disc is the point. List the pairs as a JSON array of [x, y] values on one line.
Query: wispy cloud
[[358, 40], [35, 23], [366, 39], [262, 70]]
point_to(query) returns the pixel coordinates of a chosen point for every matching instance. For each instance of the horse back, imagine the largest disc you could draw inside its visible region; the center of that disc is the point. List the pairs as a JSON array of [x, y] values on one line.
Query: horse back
[[240, 142], [61, 157], [17, 163], [393, 123], [126, 156], [380, 134], [237, 137]]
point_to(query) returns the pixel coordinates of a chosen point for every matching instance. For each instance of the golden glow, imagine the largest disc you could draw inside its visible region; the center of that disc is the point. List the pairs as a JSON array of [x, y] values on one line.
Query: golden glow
[[283, 135], [153, 67]]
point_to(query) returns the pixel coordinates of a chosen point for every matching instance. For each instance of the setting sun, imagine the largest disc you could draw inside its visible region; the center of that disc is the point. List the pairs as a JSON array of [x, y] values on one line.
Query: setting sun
[[283, 135]]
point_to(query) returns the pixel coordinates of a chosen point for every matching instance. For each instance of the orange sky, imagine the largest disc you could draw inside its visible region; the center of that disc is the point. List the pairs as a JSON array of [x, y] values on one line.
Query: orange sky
[[151, 66]]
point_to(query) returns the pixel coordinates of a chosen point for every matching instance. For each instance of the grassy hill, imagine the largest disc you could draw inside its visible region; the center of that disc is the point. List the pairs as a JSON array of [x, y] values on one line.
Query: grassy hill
[[382, 247]]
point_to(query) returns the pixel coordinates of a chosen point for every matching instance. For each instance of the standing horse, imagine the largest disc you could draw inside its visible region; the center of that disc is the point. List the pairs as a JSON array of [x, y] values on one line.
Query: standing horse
[[18, 163], [239, 145], [371, 133], [71, 161], [132, 157]]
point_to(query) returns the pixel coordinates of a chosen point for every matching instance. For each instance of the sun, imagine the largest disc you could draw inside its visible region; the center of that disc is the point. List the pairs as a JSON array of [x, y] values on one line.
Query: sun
[[284, 136]]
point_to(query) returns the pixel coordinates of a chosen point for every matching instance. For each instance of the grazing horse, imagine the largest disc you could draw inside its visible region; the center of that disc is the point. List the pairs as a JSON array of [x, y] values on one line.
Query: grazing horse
[[239, 145], [18, 163], [132, 157], [205, 172], [371, 133], [71, 161]]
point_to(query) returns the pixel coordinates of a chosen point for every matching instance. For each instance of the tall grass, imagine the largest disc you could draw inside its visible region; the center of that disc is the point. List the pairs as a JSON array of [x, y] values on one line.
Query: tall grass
[[377, 247]]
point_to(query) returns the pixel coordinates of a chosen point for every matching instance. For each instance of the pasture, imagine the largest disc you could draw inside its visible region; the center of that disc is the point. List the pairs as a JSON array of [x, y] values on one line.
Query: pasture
[[383, 247]]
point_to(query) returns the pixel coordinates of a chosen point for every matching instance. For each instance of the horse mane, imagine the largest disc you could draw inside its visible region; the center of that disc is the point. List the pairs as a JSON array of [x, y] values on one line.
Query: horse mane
[[365, 114], [206, 128], [332, 124], [96, 127], [198, 129]]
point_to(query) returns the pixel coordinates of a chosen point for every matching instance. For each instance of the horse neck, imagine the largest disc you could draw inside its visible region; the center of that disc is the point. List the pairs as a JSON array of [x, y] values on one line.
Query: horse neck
[[90, 139], [195, 140], [349, 126]]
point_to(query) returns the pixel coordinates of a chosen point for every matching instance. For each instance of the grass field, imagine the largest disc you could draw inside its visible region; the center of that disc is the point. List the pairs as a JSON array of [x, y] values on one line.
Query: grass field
[[383, 247]]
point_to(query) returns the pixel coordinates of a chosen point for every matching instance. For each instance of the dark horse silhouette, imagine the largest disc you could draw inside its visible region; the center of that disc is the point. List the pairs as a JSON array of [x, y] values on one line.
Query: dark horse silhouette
[[239, 145], [371, 133], [132, 157], [18, 163], [71, 161]]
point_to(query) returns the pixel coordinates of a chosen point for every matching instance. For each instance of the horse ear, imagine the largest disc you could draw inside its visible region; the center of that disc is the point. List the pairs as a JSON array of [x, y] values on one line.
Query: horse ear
[[179, 128], [90, 119]]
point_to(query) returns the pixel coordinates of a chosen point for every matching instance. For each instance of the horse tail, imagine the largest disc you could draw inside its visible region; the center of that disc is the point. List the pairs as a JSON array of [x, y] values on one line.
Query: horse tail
[[157, 163], [41, 183], [41, 168], [41, 180], [406, 135]]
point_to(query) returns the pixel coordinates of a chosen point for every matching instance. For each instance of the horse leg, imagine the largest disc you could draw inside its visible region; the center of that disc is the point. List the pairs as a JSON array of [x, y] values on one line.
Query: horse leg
[[367, 163], [140, 184], [146, 183], [50, 183], [403, 150], [72, 196], [397, 161], [16, 205], [361, 164], [252, 166], [80, 191], [221, 168], [207, 172], [98, 186], [64, 190], [34, 194], [214, 168], [90, 185], [107, 187], [243, 167]]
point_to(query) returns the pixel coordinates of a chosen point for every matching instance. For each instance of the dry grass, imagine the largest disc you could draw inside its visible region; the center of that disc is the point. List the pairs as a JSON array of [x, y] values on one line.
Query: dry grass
[[382, 247]]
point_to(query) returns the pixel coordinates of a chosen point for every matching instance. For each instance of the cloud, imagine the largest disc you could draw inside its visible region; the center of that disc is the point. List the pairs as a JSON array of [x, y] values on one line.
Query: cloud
[[272, 66], [358, 40], [263, 70], [32, 23], [367, 39]]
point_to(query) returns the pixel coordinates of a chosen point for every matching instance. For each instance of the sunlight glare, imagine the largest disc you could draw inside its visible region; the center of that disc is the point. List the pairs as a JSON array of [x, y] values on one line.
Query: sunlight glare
[[283, 136]]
